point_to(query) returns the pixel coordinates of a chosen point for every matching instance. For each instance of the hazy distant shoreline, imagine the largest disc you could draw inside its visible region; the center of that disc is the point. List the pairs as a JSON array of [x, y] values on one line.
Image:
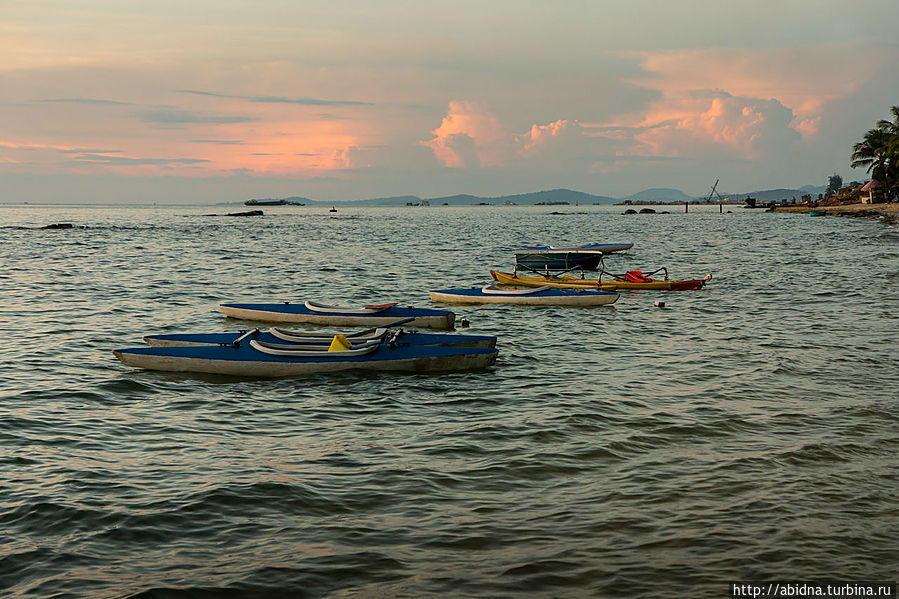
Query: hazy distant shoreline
[[560, 197], [887, 210]]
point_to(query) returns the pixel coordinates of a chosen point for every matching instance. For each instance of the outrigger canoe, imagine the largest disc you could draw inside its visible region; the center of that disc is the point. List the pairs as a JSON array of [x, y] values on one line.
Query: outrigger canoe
[[260, 359], [541, 296], [367, 316], [570, 282], [551, 257], [296, 338]]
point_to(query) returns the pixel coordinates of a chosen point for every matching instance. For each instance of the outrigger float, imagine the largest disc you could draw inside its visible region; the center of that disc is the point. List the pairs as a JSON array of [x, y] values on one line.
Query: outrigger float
[[294, 338], [366, 316], [540, 296]]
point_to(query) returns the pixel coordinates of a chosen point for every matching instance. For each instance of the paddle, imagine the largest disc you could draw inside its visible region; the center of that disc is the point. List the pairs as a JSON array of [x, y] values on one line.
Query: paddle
[[386, 326], [355, 335], [236, 342]]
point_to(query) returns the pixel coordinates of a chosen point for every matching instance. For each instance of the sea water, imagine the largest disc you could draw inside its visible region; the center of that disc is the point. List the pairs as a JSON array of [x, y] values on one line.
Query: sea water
[[746, 431]]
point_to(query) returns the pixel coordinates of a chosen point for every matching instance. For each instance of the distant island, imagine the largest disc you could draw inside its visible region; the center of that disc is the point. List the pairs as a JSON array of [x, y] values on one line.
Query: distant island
[[285, 202], [552, 197]]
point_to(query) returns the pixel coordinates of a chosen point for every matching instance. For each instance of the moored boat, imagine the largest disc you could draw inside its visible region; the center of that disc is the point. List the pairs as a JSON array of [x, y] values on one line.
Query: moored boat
[[260, 359], [569, 282], [817, 213], [315, 313], [541, 296], [550, 257], [284, 336]]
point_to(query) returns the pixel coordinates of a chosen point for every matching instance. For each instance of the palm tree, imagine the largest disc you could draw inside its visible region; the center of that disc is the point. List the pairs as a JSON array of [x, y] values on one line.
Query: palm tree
[[879, 152], [891, 126]]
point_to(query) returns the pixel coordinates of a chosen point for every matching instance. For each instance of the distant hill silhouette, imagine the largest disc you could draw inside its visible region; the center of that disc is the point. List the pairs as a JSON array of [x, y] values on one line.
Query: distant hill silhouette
[[661, 194], [537, 197], [773, 195]]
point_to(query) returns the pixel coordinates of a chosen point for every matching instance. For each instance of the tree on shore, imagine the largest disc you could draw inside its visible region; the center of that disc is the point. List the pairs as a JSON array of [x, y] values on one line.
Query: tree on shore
[[879, 153], [834, 183]]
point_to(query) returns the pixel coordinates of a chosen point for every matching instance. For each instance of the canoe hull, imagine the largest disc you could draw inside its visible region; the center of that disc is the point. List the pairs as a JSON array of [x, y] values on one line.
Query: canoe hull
[[411, 337], [247, 362], [569, 282], [548, 297], [287, 312]]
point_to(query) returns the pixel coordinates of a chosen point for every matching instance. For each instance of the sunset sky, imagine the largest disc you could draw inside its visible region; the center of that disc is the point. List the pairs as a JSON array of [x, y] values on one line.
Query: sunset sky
[[199, 101]]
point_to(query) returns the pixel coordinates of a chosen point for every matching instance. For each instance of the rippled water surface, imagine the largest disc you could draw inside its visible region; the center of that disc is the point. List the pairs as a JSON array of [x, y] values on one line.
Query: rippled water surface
[[743, 432]]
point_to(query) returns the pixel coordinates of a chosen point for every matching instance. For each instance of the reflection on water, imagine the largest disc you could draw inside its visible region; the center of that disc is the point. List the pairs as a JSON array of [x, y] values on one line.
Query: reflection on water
[[745, 431]]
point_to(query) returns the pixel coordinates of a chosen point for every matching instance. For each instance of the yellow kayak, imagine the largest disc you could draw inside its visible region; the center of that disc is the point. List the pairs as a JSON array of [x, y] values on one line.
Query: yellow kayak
[[569, 282]]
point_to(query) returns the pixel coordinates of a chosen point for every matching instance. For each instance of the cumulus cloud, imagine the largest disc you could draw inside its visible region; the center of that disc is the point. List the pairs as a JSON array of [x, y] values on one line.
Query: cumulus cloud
[[709, 123], [733, 103], [469, 136], [800, 80], [345, 158], [570, 140]]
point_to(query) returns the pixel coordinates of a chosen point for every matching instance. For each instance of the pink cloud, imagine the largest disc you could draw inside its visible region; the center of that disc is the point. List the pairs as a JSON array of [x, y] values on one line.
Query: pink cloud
[[349, 157], [543, 139], [799, 80], [469, 136], [712, 124], [33, 146]]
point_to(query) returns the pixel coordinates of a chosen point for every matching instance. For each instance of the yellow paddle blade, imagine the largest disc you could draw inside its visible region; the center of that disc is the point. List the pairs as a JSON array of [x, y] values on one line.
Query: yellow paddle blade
[[340, 343]]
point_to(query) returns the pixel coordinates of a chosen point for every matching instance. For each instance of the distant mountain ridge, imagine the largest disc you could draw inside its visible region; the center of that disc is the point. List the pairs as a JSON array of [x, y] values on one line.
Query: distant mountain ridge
[[661, 194], [558, 196]]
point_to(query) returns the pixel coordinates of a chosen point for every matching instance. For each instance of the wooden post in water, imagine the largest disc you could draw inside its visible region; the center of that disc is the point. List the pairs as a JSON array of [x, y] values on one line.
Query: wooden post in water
[[686, 207], [720, 208]]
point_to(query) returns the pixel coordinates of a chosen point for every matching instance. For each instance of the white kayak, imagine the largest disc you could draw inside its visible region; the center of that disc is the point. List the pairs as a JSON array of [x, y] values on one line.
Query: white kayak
[[540, 296]]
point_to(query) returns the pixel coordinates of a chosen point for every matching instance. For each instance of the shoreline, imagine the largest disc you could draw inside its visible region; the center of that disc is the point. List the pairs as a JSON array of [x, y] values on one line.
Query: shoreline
[[886, 210]]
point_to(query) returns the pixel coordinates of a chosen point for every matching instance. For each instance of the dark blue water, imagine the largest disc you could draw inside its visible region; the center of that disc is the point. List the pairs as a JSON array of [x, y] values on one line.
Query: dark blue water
[[745, 431]]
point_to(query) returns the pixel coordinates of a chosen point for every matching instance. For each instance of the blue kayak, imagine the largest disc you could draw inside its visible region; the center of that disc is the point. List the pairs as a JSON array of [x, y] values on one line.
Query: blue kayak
[[534, 296], [259, 359], [312, 312], [276, 335]]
